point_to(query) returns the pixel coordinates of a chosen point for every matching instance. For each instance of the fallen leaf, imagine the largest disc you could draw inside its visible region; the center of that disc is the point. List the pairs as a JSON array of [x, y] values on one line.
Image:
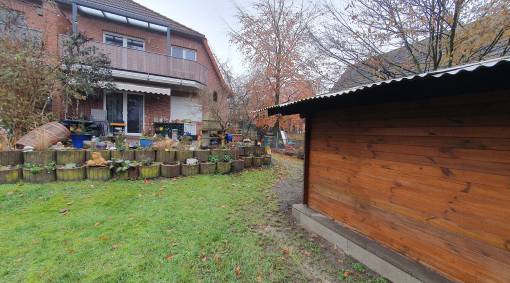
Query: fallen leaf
[[347, 273], [64, 211], [70, 203], [116, 246], [104, 238], [169, 257], [97, 224], [204, 258], [217, 258], [238, 271]]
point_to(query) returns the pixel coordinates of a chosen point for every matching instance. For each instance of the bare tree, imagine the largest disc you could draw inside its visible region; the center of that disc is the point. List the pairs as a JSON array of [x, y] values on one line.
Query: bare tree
[[384, 39]]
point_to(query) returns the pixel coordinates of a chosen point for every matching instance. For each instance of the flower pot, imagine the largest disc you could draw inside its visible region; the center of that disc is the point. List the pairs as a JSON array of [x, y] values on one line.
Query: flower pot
[[70, 156], [145, 155], [207, 168], [10, 175], [78, 140], [131, 174], [150, 171], [165, 156], [123, 154], [106, 154], [171, 170], [224, 167], [257, 161], [71, 174], [237, 165], [43, 176], [202, 155], [98, 173], [11, 157], [248, 161], [190, 170], [259, 151], [39, 157], [146, 143], [183, 155], [266, 160]]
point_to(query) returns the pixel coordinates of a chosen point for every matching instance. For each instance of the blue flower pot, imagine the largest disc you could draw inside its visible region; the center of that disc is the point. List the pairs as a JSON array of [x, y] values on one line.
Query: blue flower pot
[[146, 143], [78, 140]]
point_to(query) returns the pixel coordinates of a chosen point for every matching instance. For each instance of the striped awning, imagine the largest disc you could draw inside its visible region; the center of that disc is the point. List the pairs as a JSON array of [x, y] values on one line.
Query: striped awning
[[142, 88]]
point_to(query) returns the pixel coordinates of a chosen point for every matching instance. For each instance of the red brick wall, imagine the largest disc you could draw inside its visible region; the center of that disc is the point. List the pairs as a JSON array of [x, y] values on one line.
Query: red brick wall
[[156, 107]]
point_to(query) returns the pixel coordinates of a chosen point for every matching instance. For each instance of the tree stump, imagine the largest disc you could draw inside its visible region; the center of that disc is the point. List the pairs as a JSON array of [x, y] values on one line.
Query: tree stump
[[150, 171], [237, 166], [183, 155], [207, 168], [202, 155], [43, 176], [224, 167], [165, 156], [106, 154], [71, 174], [98, 173], [70, 156], [39, 157], [248, 161], [10, 175], [171, 170], [11, 157], [123, 154], [190, 170], [145, 155]]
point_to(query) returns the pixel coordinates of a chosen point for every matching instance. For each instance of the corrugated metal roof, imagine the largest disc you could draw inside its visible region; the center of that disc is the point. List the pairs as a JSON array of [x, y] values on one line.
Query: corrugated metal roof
[[435, 74]]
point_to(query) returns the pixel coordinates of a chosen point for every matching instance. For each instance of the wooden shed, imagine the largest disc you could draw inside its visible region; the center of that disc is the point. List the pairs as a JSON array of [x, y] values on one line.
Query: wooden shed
[[419, 165]]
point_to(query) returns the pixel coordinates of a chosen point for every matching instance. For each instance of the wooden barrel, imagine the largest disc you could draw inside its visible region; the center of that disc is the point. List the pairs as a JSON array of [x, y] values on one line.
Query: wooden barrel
[[98, 173], [207, 168], [43, 176], [45, 136], [11, 157], [70, 156], [150, 171], [71, 174], [124, 155], [202, 155], [10, 175], [224, 167], [165, 156], [39, 157], [183, 155], [145, 155], [190, 170], [171, 170]]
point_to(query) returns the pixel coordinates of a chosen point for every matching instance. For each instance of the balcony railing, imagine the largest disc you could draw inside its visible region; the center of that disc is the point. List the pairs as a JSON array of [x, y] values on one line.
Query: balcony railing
[[152, 63]]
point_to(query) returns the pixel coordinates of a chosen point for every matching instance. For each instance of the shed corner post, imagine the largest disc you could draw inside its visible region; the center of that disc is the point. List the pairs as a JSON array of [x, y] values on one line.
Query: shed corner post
[[308, 135]]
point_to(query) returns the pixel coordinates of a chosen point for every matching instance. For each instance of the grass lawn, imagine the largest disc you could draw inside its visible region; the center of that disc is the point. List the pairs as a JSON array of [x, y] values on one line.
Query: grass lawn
[[202, 228]]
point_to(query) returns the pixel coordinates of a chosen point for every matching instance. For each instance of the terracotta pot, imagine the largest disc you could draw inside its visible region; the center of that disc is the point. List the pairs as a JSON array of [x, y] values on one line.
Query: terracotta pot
[[183, 155], [124, 155], [237, 165], [171, 170], [165, 156], [257, 161], [40, 177], [202, 155], [224, 167], [106, 154], [98, 173], [10, 176], [72, 174], [248, 161], [11, 157], [190, 170], [142, 155], [207, 168], [39, 157], [150, 171], [70, 156]]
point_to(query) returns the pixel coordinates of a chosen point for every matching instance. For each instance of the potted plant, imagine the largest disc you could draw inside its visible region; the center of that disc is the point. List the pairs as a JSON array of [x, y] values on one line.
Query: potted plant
[[39, 173], [146, 141], [122, 149], [71, 172], [70, 156], [79, 135], [125, 169], [225, 165], [10, 174], [171, 169], [190, 168], [202, 155], [149, 169], [98, 168], [209, 167]]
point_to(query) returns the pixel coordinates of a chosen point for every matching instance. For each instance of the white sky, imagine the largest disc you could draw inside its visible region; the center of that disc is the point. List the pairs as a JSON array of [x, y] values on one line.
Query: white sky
[[209, 17]]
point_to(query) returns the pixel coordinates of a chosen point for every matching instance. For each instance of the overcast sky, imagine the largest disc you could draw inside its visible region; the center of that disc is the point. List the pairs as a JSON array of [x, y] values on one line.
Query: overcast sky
[[209, 17]]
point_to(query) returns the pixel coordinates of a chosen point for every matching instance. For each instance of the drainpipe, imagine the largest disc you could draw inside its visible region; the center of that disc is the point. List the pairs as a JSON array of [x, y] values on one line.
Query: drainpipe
[[75, 18], [168, 44]]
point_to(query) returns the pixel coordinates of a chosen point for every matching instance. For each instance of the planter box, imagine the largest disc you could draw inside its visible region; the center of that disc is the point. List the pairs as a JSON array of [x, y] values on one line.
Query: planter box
[[202, 155], [73, 174], [171, 170], [150, 171], [240, 150], [266, 160], [106, 154], [40, 177], [10, 176], [224, 167], [237, 165], [124, 155], [220, 153], [98, 173], [39, 157], [70, 156], [182, 155], [259, 151], [131, 174], [165, 156], [257, 161], [207, 168], [190, 170], [248, 161], [11, 157], [249, 150], [142, 155]]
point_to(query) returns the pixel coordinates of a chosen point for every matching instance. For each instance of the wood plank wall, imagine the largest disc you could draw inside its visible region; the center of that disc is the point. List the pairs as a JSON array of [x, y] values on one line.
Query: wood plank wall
[[429, 179]]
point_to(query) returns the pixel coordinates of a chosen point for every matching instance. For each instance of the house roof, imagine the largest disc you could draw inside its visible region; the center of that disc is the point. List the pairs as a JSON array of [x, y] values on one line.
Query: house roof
[[130, 8], [486, 73]]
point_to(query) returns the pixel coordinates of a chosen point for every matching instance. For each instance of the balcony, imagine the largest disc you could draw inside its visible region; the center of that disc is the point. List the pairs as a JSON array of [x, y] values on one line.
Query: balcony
[[151, 63]]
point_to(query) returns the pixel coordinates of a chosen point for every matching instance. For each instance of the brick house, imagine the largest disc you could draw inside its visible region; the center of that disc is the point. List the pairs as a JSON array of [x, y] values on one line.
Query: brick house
[[162, 69]]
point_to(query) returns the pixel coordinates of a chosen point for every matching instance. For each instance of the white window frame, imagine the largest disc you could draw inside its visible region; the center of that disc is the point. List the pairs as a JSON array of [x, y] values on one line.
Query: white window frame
[[124, 110], [183, 54], [124, 39]]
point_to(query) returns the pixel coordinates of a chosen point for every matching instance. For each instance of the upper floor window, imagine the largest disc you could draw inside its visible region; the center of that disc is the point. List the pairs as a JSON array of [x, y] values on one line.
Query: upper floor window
[[124, 41], [184, 53]]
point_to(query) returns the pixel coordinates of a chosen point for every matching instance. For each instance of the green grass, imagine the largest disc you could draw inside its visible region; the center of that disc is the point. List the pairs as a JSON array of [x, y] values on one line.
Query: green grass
[[191, 229]]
